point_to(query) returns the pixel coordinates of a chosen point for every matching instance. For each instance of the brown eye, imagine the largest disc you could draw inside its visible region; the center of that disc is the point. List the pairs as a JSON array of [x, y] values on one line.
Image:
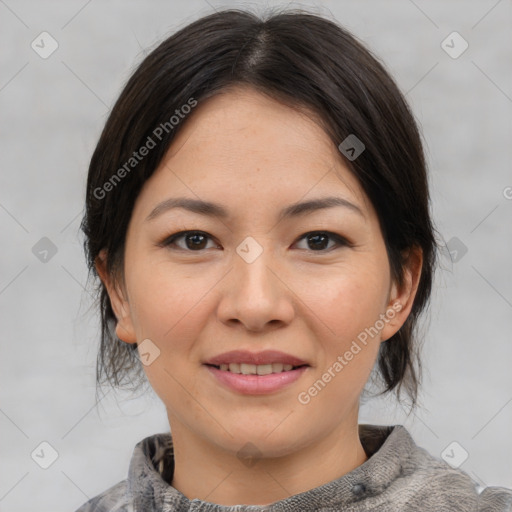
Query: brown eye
[[194, 240], [319, 240]]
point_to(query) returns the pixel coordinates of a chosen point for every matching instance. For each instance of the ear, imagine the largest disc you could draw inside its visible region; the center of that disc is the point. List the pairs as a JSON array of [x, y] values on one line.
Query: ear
[[402, 298], [124, 327]]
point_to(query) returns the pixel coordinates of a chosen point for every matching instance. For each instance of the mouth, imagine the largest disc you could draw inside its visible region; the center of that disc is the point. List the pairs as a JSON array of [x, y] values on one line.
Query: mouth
[[256, 369], [252, 379], [256, 373]]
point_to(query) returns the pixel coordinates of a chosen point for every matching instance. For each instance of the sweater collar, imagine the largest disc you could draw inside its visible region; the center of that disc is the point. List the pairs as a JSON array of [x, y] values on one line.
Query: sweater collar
[[152, 466]]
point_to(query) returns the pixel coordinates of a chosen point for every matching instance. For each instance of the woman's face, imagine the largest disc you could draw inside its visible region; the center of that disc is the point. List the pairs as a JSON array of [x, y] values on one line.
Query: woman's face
[[257, 278]]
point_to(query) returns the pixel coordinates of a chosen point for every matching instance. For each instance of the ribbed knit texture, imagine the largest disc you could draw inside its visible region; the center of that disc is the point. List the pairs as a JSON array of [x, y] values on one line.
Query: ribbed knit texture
[[398, 476]]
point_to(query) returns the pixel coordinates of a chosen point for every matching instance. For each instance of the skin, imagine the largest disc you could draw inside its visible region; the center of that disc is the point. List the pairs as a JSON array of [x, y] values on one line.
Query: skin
[[255, 156]]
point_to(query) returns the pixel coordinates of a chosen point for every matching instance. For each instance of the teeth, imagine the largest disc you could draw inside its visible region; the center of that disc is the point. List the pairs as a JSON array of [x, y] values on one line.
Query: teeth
[[253, 369], [264, 369]]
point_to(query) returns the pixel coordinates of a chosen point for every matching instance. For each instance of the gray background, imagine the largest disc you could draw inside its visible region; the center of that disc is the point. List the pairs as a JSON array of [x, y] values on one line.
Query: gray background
[[52, 111]]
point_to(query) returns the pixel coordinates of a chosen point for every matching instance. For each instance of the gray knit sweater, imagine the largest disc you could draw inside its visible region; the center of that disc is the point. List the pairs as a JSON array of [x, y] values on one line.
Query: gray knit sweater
[[398, 476]]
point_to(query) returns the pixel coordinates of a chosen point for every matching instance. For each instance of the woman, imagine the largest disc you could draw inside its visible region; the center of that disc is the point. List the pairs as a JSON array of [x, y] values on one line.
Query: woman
[[258, 214]]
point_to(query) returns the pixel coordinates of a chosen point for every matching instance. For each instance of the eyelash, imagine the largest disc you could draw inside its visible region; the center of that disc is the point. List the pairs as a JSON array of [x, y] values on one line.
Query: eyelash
[[168, 241]]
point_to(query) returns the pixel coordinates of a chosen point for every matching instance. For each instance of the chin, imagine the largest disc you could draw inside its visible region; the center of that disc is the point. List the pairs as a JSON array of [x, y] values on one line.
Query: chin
[[263, 438]]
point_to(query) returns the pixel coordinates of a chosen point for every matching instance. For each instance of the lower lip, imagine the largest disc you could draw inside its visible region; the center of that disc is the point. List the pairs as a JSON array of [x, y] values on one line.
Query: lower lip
[[256, 384]]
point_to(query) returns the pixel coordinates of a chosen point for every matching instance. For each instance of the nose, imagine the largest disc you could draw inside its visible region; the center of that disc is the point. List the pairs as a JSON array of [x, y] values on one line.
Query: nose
[[255, 293]]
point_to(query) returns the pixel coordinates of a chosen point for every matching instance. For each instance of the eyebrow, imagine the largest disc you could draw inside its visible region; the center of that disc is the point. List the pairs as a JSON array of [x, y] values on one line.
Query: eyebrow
[[216, 210]]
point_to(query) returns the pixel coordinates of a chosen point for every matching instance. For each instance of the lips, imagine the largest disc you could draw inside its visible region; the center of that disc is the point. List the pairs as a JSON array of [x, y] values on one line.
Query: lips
[[267, 357], [256, 373]]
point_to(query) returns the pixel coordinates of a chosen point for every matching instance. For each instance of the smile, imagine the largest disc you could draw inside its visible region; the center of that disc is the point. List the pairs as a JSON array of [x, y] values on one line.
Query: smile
[[256, 369], [252, 383]]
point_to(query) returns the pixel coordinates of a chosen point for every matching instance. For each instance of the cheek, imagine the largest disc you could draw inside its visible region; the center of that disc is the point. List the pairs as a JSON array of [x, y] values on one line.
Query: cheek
[[171, 309], [348, 307], [169, 304], [349, 302]]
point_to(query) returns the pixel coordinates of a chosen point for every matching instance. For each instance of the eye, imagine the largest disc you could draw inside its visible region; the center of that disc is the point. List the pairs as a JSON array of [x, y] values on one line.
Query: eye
[[319, 240], [194, 240]]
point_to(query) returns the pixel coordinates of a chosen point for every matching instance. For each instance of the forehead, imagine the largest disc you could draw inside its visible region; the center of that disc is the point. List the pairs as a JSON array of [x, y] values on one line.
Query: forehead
[[240, 122], [241, 145]]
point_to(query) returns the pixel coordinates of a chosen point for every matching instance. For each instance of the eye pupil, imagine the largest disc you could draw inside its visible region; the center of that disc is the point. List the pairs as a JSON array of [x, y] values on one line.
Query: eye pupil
[[196, 244], [316, 237]]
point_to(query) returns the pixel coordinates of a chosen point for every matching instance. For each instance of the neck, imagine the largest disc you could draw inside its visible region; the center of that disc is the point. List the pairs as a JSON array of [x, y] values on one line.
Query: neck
[[208, 472]]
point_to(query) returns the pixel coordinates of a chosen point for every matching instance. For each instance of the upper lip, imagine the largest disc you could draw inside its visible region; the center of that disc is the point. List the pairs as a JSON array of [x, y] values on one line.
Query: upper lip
[[265, 357]]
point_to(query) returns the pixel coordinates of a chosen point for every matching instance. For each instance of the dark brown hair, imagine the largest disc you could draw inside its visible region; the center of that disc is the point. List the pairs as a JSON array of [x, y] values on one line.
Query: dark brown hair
[[302, 60]]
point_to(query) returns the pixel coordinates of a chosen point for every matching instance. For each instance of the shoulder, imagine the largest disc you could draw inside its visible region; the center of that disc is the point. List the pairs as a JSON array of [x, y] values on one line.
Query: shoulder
[[422, 481], [443, 487], [448, 489], [114, 499], [151, 466], [493, 499]]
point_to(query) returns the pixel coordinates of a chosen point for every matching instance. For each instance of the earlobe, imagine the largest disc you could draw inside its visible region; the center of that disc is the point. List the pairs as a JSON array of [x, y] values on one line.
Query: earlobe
[[120, 305], [124, 334], [402, 298]]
